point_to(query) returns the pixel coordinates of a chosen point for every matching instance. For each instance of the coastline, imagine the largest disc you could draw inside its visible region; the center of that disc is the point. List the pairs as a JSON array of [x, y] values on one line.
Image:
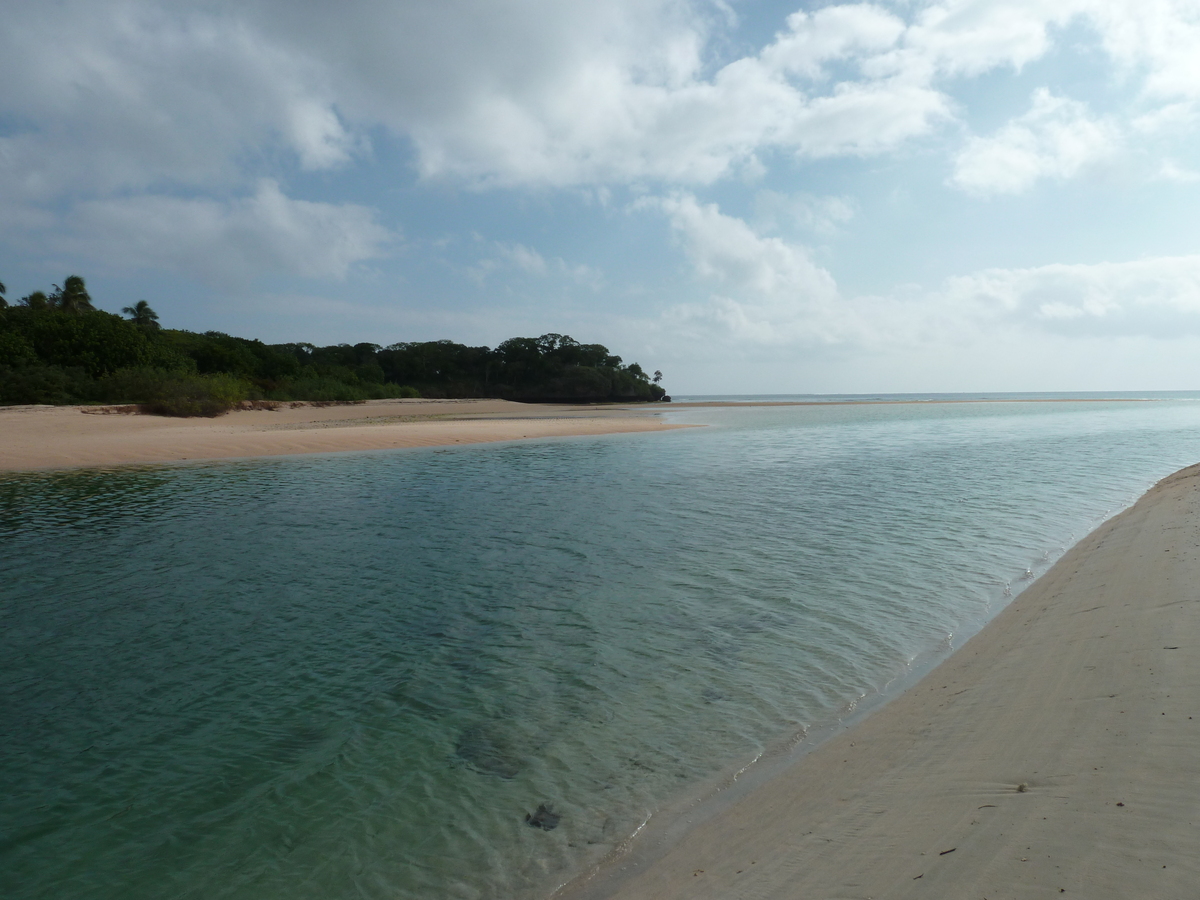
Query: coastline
[[59, 437], [1053, 753], [36, 438]]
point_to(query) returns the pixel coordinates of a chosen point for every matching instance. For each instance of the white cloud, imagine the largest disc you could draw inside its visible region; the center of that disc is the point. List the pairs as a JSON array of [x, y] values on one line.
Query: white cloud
[[969, 37], [848, 79], [508, 256], [1172, 118], [138, 95], [766, 290], [1055, 139], [824, 216], [226, 242], [1157, 297], [515, 92], [831, 34], [1157, 39], [512, 92], [1172, 171]]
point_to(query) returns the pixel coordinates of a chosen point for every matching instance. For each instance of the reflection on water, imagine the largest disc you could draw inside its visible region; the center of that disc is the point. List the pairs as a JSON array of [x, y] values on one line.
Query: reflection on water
[[385, 675]]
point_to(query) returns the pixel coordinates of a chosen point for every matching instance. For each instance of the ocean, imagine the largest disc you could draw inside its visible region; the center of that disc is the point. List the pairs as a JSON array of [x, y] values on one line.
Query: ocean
[[476, 672]]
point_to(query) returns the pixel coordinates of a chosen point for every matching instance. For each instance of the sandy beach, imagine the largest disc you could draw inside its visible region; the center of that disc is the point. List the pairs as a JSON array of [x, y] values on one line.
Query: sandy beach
[[49, 437], [1054, 754], [53, 437]]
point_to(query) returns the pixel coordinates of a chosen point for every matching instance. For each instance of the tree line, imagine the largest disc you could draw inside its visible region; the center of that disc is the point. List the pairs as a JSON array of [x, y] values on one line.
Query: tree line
[[58, 348]]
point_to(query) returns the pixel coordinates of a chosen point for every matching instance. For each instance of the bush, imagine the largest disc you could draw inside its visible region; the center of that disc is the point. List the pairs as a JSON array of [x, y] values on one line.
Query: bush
[[317, 388], [133, 385], [15, 350], [197, 395], [42, 384]]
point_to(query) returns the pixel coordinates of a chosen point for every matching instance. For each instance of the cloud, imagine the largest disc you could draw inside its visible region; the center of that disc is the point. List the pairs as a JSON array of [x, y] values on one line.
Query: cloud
[[768, 293], [824, 216], [1155, 39], [844, 80], [765, 290], [513, 92], [970, 37], [139, 95], [1158, 297], [227, 242], [1172, 171], [509, 256], [1055, 139], [606, 119]]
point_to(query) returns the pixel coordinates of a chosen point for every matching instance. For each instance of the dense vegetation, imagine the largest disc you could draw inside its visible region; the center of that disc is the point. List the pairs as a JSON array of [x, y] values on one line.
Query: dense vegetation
[[58, 348]]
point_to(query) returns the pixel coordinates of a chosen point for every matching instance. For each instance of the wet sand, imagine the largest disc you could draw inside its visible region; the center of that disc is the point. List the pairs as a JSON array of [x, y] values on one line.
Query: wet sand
[[46, 437], [1054, 755]]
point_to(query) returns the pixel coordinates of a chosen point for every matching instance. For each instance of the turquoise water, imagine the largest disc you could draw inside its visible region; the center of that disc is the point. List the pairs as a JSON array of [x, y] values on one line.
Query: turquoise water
[[354, 676]]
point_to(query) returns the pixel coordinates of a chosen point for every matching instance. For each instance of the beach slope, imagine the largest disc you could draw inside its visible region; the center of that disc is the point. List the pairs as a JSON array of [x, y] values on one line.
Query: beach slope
[[1057, 753]]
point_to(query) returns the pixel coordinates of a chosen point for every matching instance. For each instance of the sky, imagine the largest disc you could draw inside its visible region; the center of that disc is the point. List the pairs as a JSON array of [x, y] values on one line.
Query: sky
[[749, 195]]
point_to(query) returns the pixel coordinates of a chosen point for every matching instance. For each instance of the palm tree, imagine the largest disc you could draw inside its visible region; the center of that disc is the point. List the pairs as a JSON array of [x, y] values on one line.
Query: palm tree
[[72, 296], [141, 314], [3, 291]]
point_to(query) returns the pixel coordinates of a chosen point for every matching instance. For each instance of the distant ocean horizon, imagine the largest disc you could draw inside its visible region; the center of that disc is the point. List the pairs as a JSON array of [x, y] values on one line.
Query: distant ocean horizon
[[477, 671], [959, 396]]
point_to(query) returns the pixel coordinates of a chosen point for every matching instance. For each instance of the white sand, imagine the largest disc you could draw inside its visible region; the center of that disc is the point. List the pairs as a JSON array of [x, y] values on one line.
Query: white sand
[[43, 437], [1056, 754]]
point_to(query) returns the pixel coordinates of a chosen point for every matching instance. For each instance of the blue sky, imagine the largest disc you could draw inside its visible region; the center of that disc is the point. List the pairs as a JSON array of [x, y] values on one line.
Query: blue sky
[[751, 196]]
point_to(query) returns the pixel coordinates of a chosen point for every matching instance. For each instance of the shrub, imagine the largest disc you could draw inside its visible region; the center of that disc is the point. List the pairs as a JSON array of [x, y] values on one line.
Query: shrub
[[42, 384], [198, 395], [318, 388], [15, 350]]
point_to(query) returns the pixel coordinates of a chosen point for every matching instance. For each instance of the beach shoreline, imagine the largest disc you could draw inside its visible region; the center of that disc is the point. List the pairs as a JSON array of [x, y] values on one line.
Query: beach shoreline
[[1051, 754], [34, 438], [60, 437]]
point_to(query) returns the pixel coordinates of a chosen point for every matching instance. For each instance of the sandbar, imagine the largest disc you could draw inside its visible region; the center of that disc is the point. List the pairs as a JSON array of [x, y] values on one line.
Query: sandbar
[[1055, 754], [54, 437]]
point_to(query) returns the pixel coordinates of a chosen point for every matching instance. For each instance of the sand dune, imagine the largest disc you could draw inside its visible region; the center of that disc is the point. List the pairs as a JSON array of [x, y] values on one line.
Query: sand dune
[[43, 437], [1055, 754]]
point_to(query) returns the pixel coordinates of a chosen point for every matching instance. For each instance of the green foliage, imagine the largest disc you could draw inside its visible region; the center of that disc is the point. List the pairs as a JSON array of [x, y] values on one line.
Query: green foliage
[[72, 297], [547, 368], [197, 395], [324, 388], [43, 384], [141, 315], [15, 350], [59, 349], [98, 342]]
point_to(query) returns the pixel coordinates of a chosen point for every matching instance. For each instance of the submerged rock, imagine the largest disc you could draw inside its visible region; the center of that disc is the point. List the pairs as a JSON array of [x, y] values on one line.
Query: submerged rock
[[545, 818]]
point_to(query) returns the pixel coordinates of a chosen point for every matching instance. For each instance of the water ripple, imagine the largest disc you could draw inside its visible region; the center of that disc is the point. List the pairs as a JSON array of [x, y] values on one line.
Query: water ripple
[[355, 676]]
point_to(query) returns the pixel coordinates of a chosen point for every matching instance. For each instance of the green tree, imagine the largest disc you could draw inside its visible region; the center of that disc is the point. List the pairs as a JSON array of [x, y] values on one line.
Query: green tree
[[100, 343], [72, 297], [142, 315], [37, 300], [3, 291]]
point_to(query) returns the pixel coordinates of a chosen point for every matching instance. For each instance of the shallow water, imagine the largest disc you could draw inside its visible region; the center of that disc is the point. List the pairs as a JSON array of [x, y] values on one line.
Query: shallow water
[[355, 675]]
